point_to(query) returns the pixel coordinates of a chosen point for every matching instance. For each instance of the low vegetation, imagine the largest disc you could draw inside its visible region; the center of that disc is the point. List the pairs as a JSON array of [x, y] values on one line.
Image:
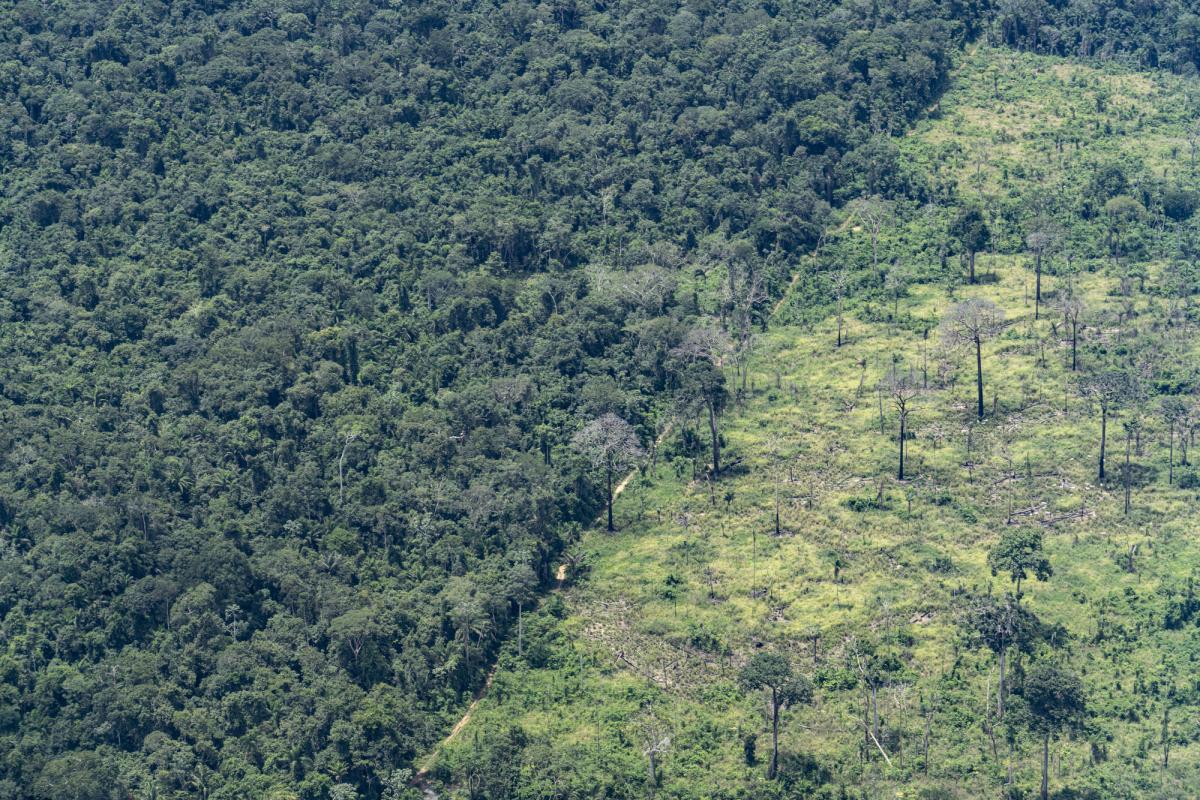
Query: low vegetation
[[1006, 612]]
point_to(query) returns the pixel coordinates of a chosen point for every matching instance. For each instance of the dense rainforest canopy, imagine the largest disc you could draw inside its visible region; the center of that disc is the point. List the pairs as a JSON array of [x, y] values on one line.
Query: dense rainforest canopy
[[302, 304]]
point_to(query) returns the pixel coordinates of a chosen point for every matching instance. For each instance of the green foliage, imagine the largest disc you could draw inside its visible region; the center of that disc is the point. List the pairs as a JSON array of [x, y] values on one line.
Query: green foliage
[[883, 631], [301, 307], [1018, 554]]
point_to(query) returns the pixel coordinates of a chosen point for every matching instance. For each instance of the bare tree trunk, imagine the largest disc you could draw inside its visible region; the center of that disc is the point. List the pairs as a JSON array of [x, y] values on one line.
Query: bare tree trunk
[[1046, 766], [774, 768], [1000, 689], [925, 741], [1074, 347], [1126, 476], [610, 501], [1103, 438], [1037, 292], [979, 374], [716, 439], [1171, 456], [900, 475], [875, 711]]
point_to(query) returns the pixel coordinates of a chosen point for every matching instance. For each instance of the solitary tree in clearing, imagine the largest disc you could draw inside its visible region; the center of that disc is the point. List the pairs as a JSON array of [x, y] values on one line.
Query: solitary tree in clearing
[[973, 322], [773, 672], [610, 444], [1019, 554], [1056, 703]]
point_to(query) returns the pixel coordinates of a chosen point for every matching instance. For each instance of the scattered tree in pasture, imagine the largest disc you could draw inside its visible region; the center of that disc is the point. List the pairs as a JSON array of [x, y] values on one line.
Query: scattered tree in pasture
[[1072, 308], [1000, 624], [1043, 236], [1110, 389], [1019, 555], [773, 672], [1133, 429], [1175, 411], [903, 387], [973, 322]]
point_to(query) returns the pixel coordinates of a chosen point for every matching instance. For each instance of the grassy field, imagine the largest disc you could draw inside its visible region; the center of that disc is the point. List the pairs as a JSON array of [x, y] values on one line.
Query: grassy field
[[647, 638]]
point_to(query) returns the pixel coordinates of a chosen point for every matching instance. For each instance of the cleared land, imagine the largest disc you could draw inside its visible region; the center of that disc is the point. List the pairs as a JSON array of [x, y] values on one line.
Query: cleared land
[[662, 614]]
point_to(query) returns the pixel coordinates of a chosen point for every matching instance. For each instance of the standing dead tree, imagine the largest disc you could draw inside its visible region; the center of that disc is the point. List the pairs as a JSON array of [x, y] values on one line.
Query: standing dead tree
[[611, 445], [973, 322]]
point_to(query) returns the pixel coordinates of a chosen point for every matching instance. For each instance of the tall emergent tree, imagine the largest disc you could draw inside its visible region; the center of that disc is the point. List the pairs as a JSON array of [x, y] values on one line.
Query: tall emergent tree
[[1056, 703], [700, 382], [999, 624], [773, 672], [1110, 389], [1042, 237], [973, 322], [610, 444]]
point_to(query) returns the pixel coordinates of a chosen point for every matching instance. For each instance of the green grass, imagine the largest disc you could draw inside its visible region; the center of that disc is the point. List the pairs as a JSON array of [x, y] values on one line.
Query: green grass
[[614, 645]]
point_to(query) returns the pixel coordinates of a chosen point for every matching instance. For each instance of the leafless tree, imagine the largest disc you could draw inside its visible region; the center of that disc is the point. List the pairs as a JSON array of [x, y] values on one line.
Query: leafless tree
[[610, 444], [875, 213], [1042, 238], [896, 282], [704, 343], [1072, 308], [902, 386], [972, 322], [840, 281], [648, 287], [655, 736]]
